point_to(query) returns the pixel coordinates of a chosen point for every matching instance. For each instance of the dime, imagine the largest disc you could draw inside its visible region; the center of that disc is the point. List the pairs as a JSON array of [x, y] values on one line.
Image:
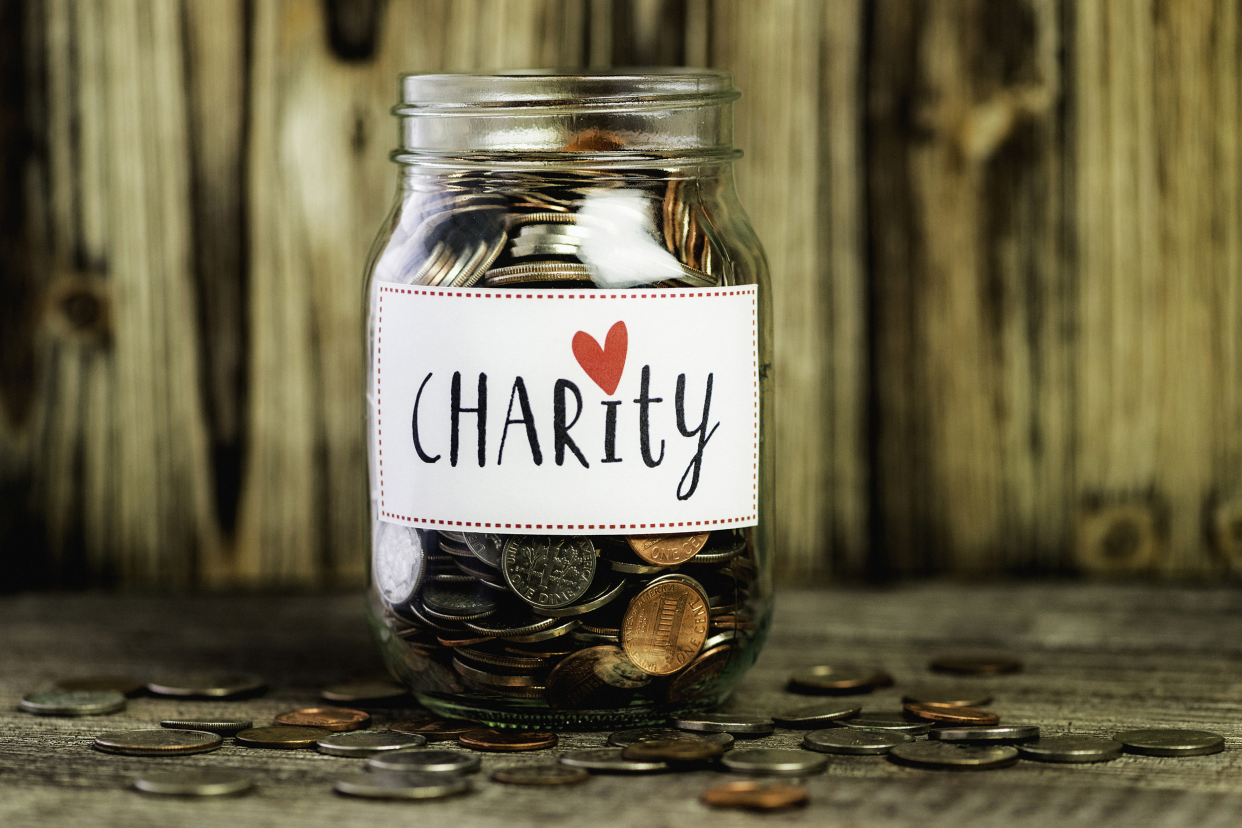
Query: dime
[[737, 723], [157, 742], [971, 665], [434, 730], [459, 602], [667, 550], [590, 639], [556, 647], [73, 703], [542, 775], [207, 685], [625, 738], [282, 737], [1170, 742], [193, 783], [698, 679], [367, 742], [487, 548], [838, 679], [594, 677], [506, 741], [539, 272], [225, 727], [897, 722], [949, 697], [1000, 733], [952, 715], [549, 571], [477, 569], [358, 691], [608, 760], [397, 561], [427, 761], [402, 785], [853, 742], [601, 592], [754, 797], [118, 684], [1071, 749], [673, 751], [665, 625], [336, 719], [814, 715], [463, 639], [511, 620], [954, 757], [775, 762]]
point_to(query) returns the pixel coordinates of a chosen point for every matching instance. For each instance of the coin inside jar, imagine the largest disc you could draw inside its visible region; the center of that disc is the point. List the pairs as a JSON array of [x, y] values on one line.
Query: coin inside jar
[[1071, 749], [158, 742], [1171, 742], [594, 677], [336, 719], [667, 550], [665, 625], [549, 571], [281, 737], [698, 679], [506, 741], [754, 796]]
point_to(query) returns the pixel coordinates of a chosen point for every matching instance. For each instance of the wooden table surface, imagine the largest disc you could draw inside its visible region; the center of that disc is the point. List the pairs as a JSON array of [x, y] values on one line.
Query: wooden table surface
[[1098, 659]]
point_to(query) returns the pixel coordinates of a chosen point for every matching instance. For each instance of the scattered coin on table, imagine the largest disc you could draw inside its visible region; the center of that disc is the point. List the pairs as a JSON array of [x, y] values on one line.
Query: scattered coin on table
[[609, 760], [197, 782], [838, 679], [775, 762], [949, 714], [363, 691], [999, 733], [336, 719], [207, 685], [851, 742], [124, 685], [380, 785], [896, 722], [434, 730], [976, 665], [673, 751], [507, 741], [73, 703], [426, 761], [1071, 749], [625, 738], [540, 775], [948, 696], [816, 715], [158, 742], [281, 737], [754, 796], [225, 727], [1169, 742], [368, 743], [947, 756], [739, 724]]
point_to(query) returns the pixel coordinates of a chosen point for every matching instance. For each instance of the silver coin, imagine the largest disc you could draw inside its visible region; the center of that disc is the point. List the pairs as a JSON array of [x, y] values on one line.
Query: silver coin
[[608, 760], [998, 733], [368, 742], [509, 621], [1071, 749], [158, 742], [725, 723], [73, 702], [208, 685], [894, 722], [456, 537], [602, 593], [486, 547], [541, 775], [854, 742], [814, 715], [954, 697], [225, 727], [193, 783], [427, 761], [1161, 742], [379, 785], [954, 757], [458, 601], [549, 571], [775, 762], [625, 738], [397, 561]]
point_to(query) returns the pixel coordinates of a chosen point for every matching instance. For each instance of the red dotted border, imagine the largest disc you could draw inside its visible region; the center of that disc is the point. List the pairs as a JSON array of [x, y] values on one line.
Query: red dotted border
[[695, 293]]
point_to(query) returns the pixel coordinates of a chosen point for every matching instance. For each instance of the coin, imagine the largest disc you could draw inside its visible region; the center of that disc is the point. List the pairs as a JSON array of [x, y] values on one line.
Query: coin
[[397, 561], [460, 602], [775, 762], [608, 760], [368, 742], [698, 679], [456, 537], [193, 783], [753, 796], [207, 685], [625, 738], [506, 741], [496, 678], [487, 548], [897, 722], [999, 733], [950, 697], [73, 703], [836, 679], [118, 684], [594, 677], [336, 719], [673, 751], [225, 727], [954, 757], [543, 775], [537, 272], [427, 761], [1161, 742], [952, 715], [358, 691], [375, 785], [603, 590], [853, 742], [1071, 749], [283, 737], [157, 742], [813, 715], [434, 730], [975, 665], [665, 625], [736, 723], [549, 571], [510, 620], [667, 550]]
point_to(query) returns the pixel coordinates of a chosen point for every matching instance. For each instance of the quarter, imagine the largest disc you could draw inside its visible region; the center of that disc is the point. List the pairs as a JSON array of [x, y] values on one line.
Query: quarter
[[954, 757], [193, 783], [549, 571], [667, 550], [1170, 742], [157, 742], [775, 762]]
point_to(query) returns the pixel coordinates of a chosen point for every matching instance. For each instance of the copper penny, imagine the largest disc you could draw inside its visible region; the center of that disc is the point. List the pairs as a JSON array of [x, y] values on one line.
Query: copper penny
[[754, 796], [673, 751], [336, 719], [697, 679], [506, 741], [838, 678], [594, 677], [970, 665], [434, 730], [948, 696], [952, 715], [665, 625], [667, 550]]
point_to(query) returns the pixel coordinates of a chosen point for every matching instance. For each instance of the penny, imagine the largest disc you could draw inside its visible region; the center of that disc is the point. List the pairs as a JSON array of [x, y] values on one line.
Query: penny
[[815, 715], [118, 684], [73, 703], [1160, 742], [281, 737], [836, 679], [459, 601], [397, 561], [665, 625], [506, 741], [1075, 749], [775, 762], [336, 719], [972, 665], [594, 677], [487, 548], [737, 723], [753, 796], [357, 691], [427, 761], [999, 733], [157, 742], [667, 550], [434, 730], [952, 715], [542, 775], [698, 679], [367, 742], [207, 685], [949, 697], [225, 727], [853, 742], [504, 658], [402, 785], [673, 751], [625, 738], [549, 571], [608, 760], [193, 783], [954, 757], [894, 722]]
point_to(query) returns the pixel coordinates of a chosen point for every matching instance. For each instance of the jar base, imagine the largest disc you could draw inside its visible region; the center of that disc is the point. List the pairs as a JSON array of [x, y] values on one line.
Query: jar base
[[538, 716]]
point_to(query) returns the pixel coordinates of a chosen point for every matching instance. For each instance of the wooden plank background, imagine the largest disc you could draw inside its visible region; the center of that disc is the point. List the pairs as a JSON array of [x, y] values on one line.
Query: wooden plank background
[[1006, 239]]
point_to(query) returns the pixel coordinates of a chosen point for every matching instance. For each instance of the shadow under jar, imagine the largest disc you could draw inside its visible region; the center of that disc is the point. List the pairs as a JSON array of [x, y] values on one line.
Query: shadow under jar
[[568, 346]]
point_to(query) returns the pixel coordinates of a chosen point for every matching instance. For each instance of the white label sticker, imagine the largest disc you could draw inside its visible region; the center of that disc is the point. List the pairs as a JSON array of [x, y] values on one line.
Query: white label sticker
[[549, 412]]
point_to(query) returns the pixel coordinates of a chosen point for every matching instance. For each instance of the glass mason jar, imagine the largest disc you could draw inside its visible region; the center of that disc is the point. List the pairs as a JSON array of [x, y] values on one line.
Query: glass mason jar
[[571, 501]]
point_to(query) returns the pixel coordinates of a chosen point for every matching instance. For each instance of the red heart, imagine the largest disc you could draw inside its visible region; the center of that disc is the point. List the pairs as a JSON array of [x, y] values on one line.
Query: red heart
[[603, 365]]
